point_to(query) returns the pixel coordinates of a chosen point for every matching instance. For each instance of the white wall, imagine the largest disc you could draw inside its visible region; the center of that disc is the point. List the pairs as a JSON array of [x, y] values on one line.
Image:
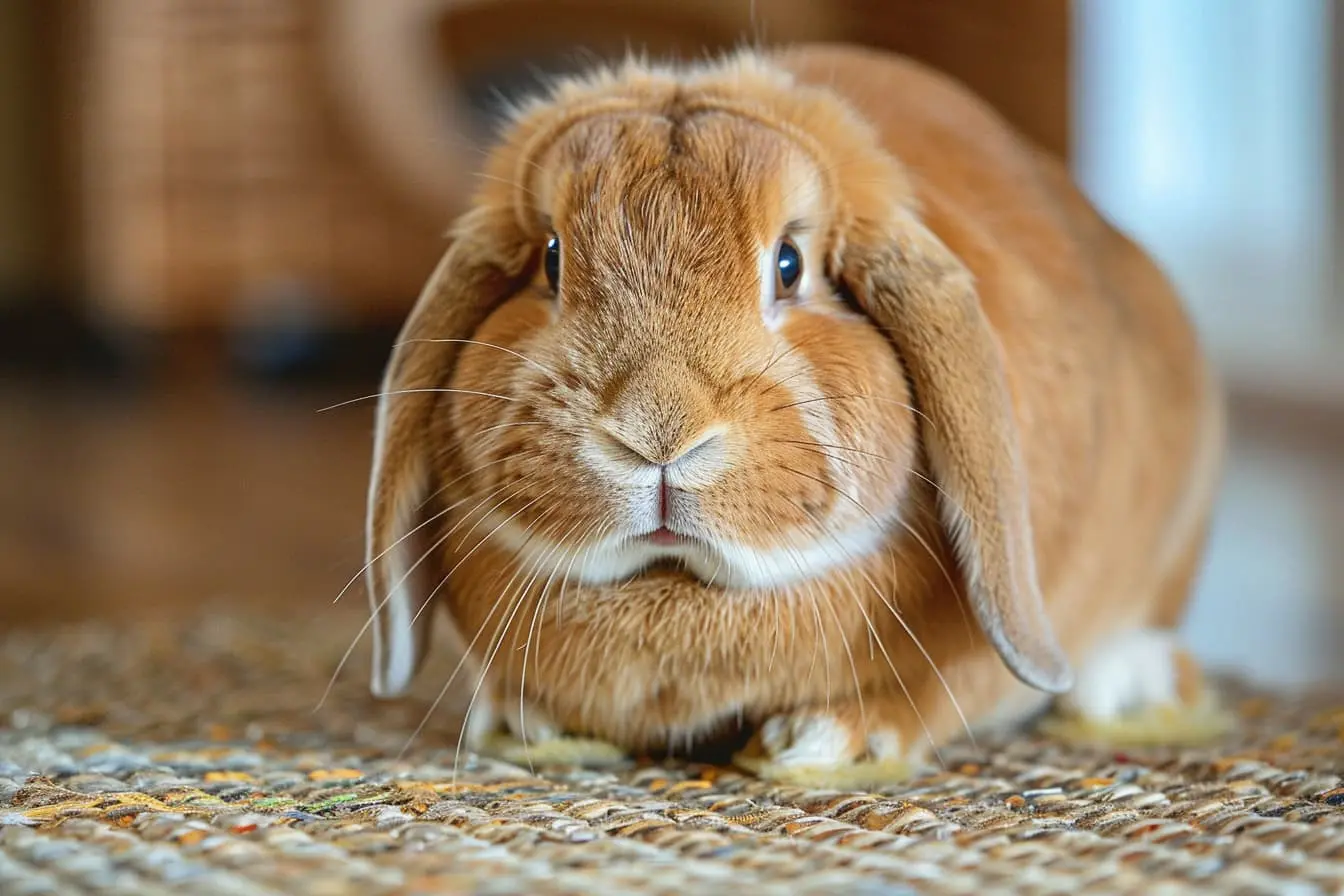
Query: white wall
[[1202, 127]]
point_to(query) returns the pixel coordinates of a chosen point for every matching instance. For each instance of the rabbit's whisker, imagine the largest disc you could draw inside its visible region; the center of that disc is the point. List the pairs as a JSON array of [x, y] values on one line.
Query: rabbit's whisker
[[501, 525], [519, 355], [896, 614], [392, 392], [443, 580], [803, 446], [499, 426], [542, 561], [555, 571], [875, 636], [812, 444], [953, 590], [780, 356], [912, 471], [462, 661], [522, 486], [497, 639], [593, 536], [825, 650], [377, 610], [393, 545], [484, 175], [856, 395], [821, 597], [933, 555], [456, 479], [779, 383]]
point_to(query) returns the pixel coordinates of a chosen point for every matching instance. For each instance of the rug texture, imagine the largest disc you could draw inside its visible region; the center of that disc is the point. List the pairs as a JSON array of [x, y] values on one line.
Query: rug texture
[[187, 758]]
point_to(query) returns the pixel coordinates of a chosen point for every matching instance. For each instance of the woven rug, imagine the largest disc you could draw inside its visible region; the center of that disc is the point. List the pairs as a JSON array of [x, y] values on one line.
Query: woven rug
[[187, 758]]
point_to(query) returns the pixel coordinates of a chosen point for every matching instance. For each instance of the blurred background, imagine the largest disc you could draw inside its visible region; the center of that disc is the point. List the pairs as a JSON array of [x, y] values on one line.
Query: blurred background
[[215, 213]]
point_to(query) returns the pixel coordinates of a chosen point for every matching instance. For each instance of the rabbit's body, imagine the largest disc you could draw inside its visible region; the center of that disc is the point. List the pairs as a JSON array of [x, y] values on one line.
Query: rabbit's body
[[870, 503]]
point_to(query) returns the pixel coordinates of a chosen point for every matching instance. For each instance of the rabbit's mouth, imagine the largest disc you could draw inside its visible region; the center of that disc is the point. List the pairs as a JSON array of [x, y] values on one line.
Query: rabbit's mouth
[[671, 540], [664, 536], [723, 562]]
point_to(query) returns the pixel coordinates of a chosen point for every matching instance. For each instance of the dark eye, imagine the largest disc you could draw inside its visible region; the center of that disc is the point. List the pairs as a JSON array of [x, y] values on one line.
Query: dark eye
[[788, 269], [552, 262]]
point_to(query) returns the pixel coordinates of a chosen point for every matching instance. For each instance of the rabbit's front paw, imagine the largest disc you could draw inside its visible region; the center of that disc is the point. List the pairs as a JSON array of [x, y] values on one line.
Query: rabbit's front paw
[[809, 739], [845, 745]]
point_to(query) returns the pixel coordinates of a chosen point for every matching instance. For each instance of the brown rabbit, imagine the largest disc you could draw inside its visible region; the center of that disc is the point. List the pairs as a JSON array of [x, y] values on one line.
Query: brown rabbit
[[794, 390]]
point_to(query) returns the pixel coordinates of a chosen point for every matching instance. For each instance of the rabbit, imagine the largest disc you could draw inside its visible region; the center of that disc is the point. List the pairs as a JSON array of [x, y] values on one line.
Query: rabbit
[[795, 392]]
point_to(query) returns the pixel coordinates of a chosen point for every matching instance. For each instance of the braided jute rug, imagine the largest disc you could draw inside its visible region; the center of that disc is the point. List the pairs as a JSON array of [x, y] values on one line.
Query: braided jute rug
[[186, 757]]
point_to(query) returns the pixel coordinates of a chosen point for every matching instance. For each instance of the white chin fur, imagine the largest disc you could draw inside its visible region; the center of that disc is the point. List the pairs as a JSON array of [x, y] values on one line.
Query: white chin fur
[[723, 563]]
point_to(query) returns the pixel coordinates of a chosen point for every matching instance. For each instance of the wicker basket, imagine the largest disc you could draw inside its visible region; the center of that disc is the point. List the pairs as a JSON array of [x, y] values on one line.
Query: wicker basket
[[217, 168]]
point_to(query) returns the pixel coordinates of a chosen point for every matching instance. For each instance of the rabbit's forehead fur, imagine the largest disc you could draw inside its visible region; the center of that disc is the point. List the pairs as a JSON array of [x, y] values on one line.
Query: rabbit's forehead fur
[[664, 387], [673, 224], [711, 179], [739, 129]]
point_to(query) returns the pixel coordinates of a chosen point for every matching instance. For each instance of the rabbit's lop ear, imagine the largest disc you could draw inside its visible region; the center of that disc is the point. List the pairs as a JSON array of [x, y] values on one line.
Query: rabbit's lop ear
[[484, 264], [925, 299]]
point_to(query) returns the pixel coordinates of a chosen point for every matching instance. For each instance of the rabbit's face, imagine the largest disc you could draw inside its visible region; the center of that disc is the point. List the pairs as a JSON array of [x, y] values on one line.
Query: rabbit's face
[[680, 382]]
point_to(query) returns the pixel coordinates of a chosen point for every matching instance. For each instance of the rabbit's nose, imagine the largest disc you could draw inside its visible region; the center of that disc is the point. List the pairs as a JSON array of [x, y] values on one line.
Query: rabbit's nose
[[665, 450], [661, 411]]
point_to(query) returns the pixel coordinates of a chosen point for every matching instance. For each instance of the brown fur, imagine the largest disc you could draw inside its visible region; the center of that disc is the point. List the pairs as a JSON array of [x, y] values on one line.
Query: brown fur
[[1023, 403]]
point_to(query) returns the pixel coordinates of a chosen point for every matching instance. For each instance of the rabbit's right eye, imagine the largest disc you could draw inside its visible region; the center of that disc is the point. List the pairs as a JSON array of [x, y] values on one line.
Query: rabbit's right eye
[[552, 262], [788, 269]]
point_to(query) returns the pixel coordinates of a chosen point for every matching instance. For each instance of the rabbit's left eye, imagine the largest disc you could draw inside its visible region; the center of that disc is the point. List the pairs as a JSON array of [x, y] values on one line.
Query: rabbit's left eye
[[552, 262], [788, 269]]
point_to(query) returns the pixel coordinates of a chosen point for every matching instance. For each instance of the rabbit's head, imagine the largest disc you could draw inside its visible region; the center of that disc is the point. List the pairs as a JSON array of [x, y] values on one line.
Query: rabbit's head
[[693, 318]]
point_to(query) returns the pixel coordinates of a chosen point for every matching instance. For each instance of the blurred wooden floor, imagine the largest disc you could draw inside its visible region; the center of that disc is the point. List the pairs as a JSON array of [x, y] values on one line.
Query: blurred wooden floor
[[165, 496]]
